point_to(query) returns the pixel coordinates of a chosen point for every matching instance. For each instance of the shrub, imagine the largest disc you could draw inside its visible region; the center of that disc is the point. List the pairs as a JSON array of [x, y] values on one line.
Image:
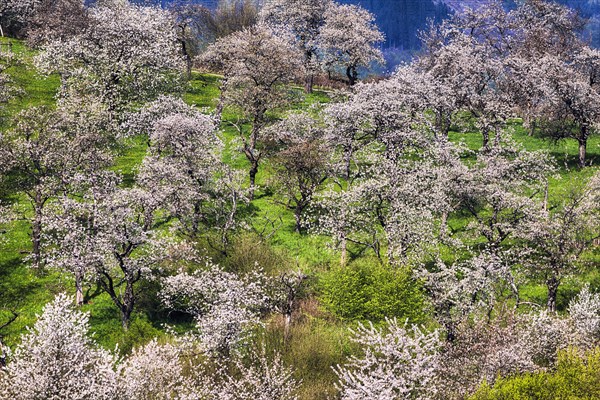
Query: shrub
[[248, 251], [370, 291]]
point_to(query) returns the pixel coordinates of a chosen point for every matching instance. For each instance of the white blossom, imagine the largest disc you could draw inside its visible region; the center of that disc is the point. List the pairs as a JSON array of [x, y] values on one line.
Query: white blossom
[[584, 312], [399, 362], [57, 360], [155, 371], [259, 378], [127, 53], [226, 307], [349, 39]]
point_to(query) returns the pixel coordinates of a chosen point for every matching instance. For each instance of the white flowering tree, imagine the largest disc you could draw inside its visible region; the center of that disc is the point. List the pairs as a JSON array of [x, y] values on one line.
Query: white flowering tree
[[464, 289], [258, 376], [56, 359], [501, 188], [538, 29], [156, 371], [14, 15], [547, 27], [52, 20], [8, 89], [302, 20], [141, 122], [108, 237], [571, 95], [256, 65], [396, 175], [394, 207], [184, 168], [508, 344], [475, 81], [584, 313], [555, 236], [45, 149], [399, 362], [419, 90], [225, 306], [300, 161], [349, 39], [551, 71], [191, 28], [7, 321], [127, 53]]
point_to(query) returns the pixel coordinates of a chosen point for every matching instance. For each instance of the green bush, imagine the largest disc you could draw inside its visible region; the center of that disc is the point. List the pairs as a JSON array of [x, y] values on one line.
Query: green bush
[[367, 290], [248, 251], [575, 378]]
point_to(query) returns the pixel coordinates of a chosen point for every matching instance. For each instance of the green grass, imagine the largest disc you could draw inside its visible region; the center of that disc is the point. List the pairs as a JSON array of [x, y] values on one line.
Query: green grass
[[203, 90], [37, 89]]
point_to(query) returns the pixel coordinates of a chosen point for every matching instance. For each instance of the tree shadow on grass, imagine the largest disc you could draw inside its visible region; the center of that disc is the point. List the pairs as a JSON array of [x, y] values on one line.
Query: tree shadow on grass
[[570, 162]]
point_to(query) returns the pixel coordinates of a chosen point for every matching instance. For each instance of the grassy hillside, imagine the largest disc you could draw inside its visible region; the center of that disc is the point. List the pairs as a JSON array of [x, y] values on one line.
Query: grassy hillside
[[320, 336]]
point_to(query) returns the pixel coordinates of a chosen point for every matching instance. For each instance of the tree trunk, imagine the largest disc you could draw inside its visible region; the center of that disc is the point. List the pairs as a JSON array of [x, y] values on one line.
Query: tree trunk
[[126, 301], [79, 287], [442, 123], [450, 332], [253, 172], [188, 58], [444, 225], [286, 327], [36, 231], [308, 66], [127, 305], [298, 217], [552, 284], [251, 154], [221, 103], [309, 82], [348, 161], [352, 75], [485, 133], [532, 127], [344, 256], [582, 148], [497, 137]]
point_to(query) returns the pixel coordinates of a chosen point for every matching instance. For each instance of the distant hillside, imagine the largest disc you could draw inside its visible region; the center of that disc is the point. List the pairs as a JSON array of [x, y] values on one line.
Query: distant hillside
[[589, 9], [401, 20]]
